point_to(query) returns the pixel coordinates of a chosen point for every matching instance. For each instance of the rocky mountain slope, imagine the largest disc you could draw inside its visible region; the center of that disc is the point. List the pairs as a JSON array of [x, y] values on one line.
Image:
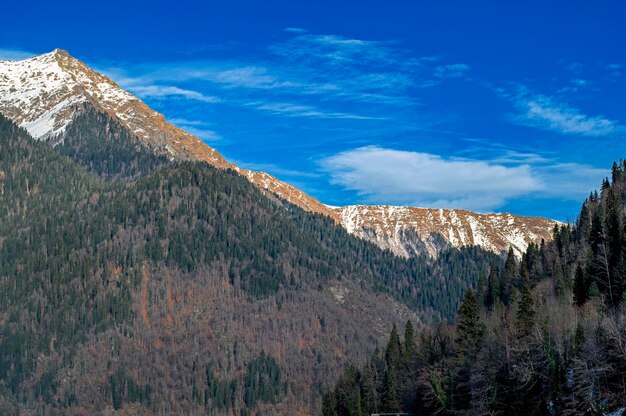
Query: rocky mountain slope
[[408, 231], [45, 93]]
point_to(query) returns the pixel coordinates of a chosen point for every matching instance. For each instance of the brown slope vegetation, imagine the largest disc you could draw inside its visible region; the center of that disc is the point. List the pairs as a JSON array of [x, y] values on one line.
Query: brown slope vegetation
[[310, 333]]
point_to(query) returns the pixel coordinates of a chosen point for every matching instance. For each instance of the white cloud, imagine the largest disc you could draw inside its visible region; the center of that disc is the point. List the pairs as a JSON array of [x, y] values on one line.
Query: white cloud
[[401, 177], [161, 91], [396, 177], [543, 112]]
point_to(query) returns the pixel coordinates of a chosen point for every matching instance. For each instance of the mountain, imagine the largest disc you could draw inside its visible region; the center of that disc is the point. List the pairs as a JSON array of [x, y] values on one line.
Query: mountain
[[45, 95], [408, 231]]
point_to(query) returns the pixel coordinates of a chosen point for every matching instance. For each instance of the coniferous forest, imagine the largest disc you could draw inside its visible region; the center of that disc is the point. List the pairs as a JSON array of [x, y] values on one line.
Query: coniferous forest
[[129, 283], [542, 336]]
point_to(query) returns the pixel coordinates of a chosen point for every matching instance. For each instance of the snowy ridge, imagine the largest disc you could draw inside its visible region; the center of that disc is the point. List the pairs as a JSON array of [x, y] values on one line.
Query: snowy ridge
[[408, 230], [39, 93]]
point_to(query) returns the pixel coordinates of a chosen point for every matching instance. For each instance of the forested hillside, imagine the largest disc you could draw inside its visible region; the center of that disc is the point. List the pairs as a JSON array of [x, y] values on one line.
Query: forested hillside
[[178, 287], [545, 336]]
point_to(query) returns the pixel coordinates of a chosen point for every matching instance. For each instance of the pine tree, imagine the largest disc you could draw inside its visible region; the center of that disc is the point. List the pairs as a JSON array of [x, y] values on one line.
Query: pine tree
[[617, 174], [393, 353], [583, 223], [391, 400], [492, 284], [581, 288], [509, 277], [559, 280], [410, 344], [467, 345], [469, 328], [525, 312], [369, 392], [614, 233]]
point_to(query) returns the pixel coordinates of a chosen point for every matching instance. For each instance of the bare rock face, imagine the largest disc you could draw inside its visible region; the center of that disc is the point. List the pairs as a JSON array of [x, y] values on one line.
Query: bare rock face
[[43, 94], [407, 231]]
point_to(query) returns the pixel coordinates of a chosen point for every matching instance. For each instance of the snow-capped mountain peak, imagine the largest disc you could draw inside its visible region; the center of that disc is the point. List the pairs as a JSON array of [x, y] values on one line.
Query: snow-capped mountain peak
[[44, 93]]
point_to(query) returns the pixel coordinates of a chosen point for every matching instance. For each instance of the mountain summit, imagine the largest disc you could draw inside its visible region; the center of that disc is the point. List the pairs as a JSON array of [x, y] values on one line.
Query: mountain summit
[[45, 93]]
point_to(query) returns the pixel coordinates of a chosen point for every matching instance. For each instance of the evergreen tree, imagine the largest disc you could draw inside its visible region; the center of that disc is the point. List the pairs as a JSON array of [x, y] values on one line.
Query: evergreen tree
[[391, 399], [369, 391], [581, 288], [393, 353], [467, 344], [559, 280], [469, 328], [509, 278], [525, 312], [614, 233], [617, 174], [492, 285], [409, 342]]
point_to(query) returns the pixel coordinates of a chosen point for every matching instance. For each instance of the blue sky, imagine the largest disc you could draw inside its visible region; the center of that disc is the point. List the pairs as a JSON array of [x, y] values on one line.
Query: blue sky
[[484, 105]]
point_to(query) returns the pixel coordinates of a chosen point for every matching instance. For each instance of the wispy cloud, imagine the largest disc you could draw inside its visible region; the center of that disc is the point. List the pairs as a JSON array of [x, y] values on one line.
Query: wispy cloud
[[295, 110], [161, 91], [329, 73], [9, 54], [276, 170], [335, 49], [382, 175], [295, 30], [204, 134], [548, 113], [452, 71], [198, 128]]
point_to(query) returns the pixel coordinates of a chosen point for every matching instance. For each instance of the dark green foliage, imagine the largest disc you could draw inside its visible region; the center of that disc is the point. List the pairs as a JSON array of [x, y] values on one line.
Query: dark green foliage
[[263, 381], [409, 343], [526, 311], [393, 353], [124, 389], [103, 146], [581, 288], [469, 329], [346, 398], [467, 344], [509, 278]]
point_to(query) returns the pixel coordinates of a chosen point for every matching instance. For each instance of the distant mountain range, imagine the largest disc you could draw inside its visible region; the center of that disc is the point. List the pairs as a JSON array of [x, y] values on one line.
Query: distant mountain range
[[45, 93]]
